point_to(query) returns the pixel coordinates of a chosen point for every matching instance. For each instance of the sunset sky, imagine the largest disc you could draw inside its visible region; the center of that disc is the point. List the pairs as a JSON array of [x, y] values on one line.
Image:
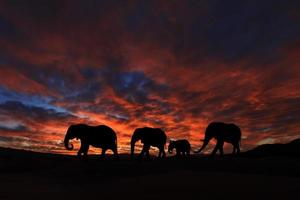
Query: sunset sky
[[176, 65]]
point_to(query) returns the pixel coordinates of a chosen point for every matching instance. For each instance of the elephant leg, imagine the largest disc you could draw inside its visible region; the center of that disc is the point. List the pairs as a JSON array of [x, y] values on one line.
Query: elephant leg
[[215, 150], [103, 152], [83, 150], [220, 147], [177, 153], [148, 153], [188, 152], [79, 153], [162, 152], [115, 150], [234, 149], [238, 149], [145, 150], [159, 152]]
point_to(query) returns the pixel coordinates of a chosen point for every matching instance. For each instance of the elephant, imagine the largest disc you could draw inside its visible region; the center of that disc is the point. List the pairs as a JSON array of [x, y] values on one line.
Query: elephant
[[149, 137], [222, 132], [183, 147], [100, 136]]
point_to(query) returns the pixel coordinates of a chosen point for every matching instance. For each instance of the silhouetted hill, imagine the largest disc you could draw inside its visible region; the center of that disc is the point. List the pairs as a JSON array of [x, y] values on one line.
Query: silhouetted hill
[[291, 149]]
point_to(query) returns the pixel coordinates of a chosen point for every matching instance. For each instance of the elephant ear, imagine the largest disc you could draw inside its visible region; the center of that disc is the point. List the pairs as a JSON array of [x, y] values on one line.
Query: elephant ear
[[143, 140], [80, 134]]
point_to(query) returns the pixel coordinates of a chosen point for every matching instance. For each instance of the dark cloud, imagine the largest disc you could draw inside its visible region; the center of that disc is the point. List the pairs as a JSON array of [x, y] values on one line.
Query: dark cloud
[[135, 87], [19, 128], [7, 29], [15, 108]]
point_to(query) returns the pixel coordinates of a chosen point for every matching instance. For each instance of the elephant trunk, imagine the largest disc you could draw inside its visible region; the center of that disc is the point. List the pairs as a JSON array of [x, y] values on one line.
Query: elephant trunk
[[132, 147], [68, 145]]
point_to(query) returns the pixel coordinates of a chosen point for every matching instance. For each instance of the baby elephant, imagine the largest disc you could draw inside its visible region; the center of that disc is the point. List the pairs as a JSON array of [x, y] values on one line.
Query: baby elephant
[[182, 147]]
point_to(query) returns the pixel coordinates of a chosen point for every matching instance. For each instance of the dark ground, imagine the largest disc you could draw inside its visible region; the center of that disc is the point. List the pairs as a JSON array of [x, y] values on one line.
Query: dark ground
[[29, 175]]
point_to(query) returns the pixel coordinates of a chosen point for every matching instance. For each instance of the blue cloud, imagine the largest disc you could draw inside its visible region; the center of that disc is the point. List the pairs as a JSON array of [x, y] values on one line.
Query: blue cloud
[[29, 100], [7, 29], [135, 86]]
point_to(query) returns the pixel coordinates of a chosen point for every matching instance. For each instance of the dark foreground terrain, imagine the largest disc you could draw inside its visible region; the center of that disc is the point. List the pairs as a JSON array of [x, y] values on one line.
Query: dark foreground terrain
[[29, 175]]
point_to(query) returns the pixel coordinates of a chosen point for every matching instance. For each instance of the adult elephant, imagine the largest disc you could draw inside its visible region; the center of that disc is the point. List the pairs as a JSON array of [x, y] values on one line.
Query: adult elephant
[[149, 137], [222, 132], [97, 136]]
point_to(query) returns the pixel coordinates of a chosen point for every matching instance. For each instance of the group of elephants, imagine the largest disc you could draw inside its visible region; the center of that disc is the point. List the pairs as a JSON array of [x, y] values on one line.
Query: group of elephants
[[105, 137]]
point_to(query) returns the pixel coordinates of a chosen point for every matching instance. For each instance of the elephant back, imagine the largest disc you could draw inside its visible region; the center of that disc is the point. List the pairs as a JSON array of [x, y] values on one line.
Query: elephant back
[[215, 127], [234, 130], [228, 132], [154, 136], [101, 134], [182, 144]]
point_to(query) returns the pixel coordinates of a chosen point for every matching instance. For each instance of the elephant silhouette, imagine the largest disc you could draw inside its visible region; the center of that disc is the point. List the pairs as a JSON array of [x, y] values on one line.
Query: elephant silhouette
[[149, 137], [222, 132], [97, 136], [183, 147]]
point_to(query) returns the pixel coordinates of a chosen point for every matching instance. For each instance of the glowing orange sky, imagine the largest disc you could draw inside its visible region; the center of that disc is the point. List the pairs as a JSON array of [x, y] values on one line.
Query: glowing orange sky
[[173, 65]]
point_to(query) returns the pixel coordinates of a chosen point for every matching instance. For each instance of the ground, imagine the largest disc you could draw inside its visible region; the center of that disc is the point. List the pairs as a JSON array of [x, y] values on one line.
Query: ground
[[29, 175]]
